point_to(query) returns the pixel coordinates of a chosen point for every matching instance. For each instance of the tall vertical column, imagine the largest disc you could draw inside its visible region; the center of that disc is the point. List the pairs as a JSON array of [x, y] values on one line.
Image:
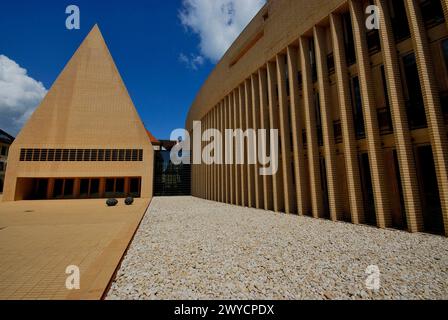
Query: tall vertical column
[[348, 128], [207, 168], [225, 165], [218, 166], [411, 194], [243, 167], [256, 125], [285, 134], [221, 180], [334, 196], [296, 128], [277, 185], [431, 100], [231, 151], [376, 154], [202, 166], [213, 167], [311, 131], [264, 124], [249, 145], [236, 167], [223, 173]]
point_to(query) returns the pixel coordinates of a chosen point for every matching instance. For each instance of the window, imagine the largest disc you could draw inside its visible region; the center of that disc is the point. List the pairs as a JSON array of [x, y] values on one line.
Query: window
[[373, 41], [58, 190], [110, 185], [399, 20], [432, 12], [72, 155], [68, 188], [36, 154], [414, 104], [320, 138], [80, 155], [337, 128], [94, 188], [3, 150], [358, 116], [134, 187], [2, 166], [445, 52], [349, 42], [330, 63], [50, 156], [84, 188], [313, 60]]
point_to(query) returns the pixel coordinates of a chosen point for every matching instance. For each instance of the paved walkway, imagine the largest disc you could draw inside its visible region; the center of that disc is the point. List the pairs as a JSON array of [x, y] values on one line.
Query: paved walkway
[[39, 239], [188, 248]]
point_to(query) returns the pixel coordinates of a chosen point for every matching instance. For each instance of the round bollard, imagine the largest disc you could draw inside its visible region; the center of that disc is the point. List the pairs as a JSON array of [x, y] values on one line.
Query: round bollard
[[129, 201], [111, 202]]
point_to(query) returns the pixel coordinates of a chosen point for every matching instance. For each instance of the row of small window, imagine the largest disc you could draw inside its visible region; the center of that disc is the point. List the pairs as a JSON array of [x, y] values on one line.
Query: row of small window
[[81, 155]]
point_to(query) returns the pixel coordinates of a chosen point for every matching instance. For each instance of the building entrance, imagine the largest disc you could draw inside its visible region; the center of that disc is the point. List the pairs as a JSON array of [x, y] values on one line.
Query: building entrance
[[170, 179]]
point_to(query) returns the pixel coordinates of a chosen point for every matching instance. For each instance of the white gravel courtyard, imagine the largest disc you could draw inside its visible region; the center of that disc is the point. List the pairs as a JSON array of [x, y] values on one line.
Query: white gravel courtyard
[[189, 248]]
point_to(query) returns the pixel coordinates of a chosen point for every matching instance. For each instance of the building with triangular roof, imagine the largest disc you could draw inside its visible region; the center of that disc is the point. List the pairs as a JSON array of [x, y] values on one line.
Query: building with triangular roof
[[86, 139]]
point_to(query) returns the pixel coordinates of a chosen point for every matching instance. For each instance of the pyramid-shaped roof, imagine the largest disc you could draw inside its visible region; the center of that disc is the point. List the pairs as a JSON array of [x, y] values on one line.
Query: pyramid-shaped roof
[[88, 104]]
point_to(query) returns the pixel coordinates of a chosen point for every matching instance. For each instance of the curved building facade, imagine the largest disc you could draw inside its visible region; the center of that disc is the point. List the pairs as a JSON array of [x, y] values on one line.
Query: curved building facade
[[361, 112]]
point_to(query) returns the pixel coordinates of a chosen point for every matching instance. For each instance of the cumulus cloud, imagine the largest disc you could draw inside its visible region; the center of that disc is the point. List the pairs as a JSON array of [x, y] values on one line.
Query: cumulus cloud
[[217, 22], [19, 95]]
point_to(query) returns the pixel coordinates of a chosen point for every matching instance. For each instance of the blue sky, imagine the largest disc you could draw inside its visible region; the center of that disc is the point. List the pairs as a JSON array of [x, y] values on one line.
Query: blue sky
[[164, 50]]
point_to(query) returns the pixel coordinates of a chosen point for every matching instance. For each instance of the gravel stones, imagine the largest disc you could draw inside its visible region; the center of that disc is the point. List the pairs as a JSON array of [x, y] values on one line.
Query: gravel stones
[[189, 248]]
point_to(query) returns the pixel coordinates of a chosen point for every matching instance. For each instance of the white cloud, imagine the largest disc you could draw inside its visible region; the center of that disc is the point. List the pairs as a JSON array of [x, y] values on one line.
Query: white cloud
[[192, 61], [217, 22], [19, 95]]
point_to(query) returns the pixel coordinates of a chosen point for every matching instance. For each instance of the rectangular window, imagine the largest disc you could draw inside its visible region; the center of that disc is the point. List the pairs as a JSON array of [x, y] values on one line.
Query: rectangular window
[[94, 155], [349, 42], [445, 52], [121, 155], [337, 128], [72, 155], [414, 105], [110, 185], [87, 154], [107, 155], [373, 41], [128, 155], [68, 188], [43, 155], [64, 155], [358, 115], [119, 186], [114, 155], [58, 189], [29, 155], [100, 155], [134, 187], [84, 188], [140, 155], [50, 156], [79, 154], [432, 12], [399, 20], [94, 191], [330, 63], [36, 154]]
